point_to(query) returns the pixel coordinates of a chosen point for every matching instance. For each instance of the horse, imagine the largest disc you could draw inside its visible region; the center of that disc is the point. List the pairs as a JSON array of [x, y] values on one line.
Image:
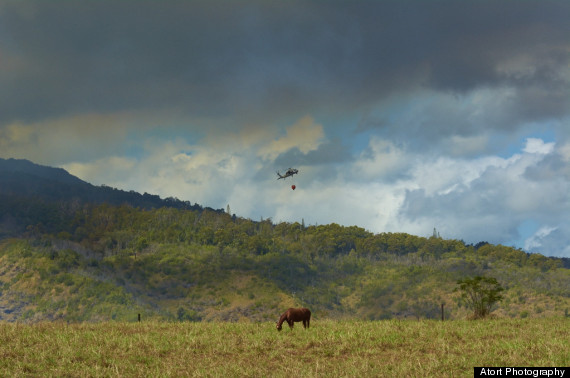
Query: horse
[[293, 315]]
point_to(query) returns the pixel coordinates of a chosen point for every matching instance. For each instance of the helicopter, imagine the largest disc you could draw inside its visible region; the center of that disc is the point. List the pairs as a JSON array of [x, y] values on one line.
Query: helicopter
[[290, 172]]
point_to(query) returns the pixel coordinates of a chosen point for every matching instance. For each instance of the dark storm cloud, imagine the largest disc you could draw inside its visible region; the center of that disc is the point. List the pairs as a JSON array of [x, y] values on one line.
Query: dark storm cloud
[[109, 56], [551, 168], [264, 60], [209, 58]]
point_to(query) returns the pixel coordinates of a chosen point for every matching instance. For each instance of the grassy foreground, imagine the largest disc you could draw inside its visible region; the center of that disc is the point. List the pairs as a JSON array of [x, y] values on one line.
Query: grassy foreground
[[328, 348]]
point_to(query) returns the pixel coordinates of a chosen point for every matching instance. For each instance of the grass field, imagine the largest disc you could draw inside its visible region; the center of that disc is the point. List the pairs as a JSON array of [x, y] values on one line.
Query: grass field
[[328, 348]]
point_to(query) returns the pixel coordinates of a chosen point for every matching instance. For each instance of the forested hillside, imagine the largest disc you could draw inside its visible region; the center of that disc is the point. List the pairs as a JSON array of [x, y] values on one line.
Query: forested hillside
[[76, 260]]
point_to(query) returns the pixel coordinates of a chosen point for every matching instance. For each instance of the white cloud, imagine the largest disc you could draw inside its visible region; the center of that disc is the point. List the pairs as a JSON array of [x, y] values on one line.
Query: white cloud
[[380, 159], [564, 152], [481, 199], [535, 241], [537, 146], [438, 175]]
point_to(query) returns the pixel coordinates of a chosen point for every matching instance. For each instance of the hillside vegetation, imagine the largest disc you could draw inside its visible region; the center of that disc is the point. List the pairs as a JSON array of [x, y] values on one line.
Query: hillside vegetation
[[107, 262], [68, 258]]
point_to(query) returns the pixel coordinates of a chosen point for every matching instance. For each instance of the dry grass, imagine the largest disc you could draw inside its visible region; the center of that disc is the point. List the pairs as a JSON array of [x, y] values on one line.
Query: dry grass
[[384, 348]]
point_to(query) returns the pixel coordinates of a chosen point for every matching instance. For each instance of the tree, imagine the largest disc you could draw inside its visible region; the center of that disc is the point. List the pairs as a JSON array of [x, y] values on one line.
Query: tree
[[480, 294]]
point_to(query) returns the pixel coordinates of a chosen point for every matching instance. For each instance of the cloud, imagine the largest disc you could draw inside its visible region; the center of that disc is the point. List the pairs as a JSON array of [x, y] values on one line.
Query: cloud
[[457, 125], [381, 160], [263, 61], [54, 141], [550, 240], [564, 152], [458, 145], [537, 146], [553, 167], [15, 135], [535, 241], [305, 135], [104, 171], [484, 199]]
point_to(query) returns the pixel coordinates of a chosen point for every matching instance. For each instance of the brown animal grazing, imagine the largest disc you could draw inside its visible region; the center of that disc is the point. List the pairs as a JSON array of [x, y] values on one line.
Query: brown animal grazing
[[293, 315]]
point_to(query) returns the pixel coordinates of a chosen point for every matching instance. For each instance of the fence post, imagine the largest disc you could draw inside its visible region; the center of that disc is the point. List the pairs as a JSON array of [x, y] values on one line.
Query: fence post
[[442, 312], [139, 318]]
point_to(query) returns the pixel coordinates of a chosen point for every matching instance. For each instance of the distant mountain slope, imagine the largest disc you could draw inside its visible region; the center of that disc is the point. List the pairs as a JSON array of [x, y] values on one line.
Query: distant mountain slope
[[37, 195], [22, 178], [13, 169]]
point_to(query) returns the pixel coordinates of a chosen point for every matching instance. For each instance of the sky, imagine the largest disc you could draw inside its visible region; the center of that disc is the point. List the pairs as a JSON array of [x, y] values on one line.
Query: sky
[[401, 116]]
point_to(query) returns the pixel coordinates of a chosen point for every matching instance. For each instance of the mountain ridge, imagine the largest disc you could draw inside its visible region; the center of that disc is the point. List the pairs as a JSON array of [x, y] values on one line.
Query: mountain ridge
[[27, 167], [22, 177]]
